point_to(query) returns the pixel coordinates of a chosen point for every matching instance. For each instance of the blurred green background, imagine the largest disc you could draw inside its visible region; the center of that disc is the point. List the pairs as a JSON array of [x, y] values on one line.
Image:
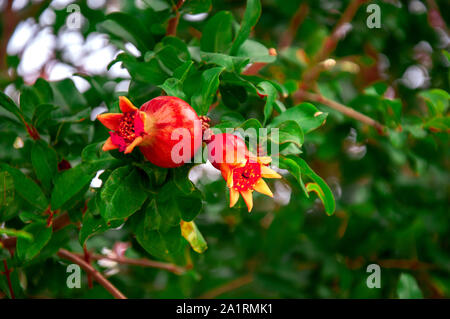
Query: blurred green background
[[391, 189]]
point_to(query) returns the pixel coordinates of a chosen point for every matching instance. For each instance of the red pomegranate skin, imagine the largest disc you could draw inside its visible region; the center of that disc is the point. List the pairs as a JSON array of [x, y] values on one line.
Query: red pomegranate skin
[[166, 114], [227, 149]]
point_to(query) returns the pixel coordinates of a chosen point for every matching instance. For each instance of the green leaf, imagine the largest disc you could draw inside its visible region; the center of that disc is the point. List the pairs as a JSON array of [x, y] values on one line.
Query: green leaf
[[8, 104], [70, 183], [16, 233], [173, 87], [251, 17], [194, 237], [307, 116], [26, 249], [127, 28], [255, 52], [294, 169], [196, 6], [28, 101], [123, 193], [437, 101], [289, 132], [438, 124], [45, 163], [202, 100], [407, 287], [230, 63], [271, 95], [93, 225], [190, 206], [164, 245], [41, 114], [26, 188], [67, 95], [94, 156], [320, 187], [217, 33], [147, 72]]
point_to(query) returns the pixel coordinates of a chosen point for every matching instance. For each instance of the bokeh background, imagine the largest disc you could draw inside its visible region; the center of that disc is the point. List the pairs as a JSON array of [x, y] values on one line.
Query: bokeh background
[[391, 189]]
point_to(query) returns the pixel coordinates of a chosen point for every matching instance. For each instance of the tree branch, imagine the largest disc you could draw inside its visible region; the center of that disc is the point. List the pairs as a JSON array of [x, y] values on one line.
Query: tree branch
[[142, 262], [173, 22], [65, 254], [235, 284], [303, 95], [288, 36], [8, 279]]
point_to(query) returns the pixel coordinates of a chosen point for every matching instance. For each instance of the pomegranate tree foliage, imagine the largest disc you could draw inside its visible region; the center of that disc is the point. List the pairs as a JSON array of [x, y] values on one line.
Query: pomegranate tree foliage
[[387, 199]]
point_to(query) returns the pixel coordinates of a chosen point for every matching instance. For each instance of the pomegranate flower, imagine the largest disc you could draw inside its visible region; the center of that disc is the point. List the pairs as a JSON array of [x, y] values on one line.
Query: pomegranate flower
[[243, 171], [127, 128]]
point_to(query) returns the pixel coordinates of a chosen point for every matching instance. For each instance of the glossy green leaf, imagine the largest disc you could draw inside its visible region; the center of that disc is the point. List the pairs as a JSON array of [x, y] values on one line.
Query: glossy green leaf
[[271, 94], [26, 188], [217, 34], [306, 115], [407, 287], [203, 99], [28, 249], [251, 17], [45, 163], [70, 183], [123, 194]]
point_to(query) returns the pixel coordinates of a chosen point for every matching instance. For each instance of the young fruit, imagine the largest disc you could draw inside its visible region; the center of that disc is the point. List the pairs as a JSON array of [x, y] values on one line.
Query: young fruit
[[166, 129], [242, 170]]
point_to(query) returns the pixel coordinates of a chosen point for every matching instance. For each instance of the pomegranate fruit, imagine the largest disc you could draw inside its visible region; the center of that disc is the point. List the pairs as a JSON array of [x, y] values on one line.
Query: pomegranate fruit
[[166, 129]]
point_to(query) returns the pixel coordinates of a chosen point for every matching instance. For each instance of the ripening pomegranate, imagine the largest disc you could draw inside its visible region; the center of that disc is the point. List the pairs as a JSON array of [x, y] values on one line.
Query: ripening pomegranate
[[242, 170], [166, 129]]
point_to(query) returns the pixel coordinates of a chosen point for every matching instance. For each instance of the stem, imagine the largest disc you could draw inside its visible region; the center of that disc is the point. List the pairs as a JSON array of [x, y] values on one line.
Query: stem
[[8, 278], [173, 22], [65, 254], [142, 262], [237, 283], [341, 108], [296, 21], [87, 259]]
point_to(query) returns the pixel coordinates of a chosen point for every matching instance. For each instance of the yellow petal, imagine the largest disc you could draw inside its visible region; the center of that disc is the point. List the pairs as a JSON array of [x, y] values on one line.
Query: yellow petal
[[267, 172], [125, 105], [108, 146], [110, 120], [262, 188], [264, 160], [234, 196], [248, 198], [135, 143]]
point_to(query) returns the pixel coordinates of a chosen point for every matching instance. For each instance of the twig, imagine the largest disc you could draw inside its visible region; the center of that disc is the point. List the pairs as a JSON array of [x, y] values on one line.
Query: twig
[[87, 259], [330, 43], [173, 22], [288, 36], [65, 254], [341, 108], [8, 278], [142, 262], [235, 284]]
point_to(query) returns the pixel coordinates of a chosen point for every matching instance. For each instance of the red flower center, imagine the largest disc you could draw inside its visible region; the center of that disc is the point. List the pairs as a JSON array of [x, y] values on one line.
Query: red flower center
[[126, 127], [245, 178]]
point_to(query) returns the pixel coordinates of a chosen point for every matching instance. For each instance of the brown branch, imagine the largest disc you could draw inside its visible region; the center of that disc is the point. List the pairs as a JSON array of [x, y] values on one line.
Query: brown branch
[[8, 278], [330, 43], [142, 262], [173, 22], [303, 95], [288, 36], [235, 284], [65, 254]]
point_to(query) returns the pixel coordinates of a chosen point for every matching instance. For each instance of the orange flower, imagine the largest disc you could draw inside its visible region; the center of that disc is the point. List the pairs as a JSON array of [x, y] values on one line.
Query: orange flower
[[244, 174], [128, 127]]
